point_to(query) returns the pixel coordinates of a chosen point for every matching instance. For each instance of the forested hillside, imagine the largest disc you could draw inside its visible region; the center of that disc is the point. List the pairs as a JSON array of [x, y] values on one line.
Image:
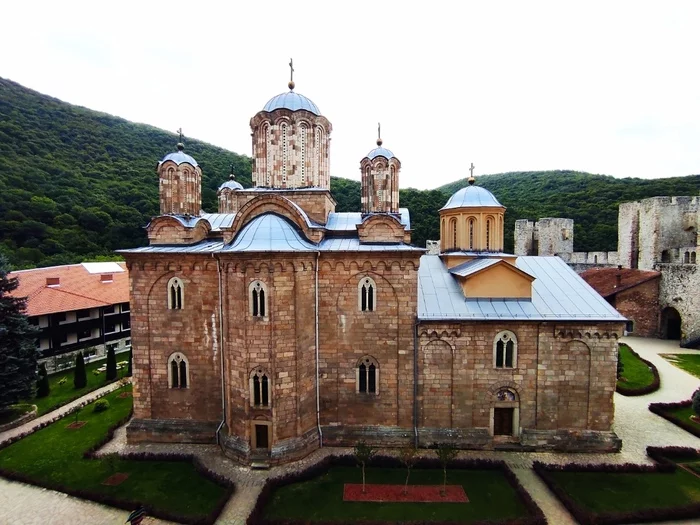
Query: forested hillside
[[77, 184]]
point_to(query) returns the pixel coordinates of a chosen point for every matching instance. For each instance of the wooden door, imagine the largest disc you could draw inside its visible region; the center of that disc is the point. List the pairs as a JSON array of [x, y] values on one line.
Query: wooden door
[[503, 421], [261, 436]]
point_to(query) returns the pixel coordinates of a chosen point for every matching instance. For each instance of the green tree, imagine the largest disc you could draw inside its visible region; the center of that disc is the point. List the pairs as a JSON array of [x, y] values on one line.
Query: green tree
[[363, 454], [445, 453], [408, 456], [79, 374], [111, 365], [129, 370], [620, 364], [42, 384], [17, 343], [696, 402]]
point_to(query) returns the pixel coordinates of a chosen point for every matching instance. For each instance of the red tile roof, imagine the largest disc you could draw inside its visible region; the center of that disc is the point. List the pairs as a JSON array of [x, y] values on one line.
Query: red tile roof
[[77, 288], [605, 280]]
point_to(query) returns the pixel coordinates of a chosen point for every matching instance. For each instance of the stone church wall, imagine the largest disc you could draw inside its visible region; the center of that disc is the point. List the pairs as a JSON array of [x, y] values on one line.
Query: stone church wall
[[679, 288]]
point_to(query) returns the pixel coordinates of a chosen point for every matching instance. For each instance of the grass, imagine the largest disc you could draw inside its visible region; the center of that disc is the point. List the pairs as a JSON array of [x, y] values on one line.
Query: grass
[[61, 394], [683, 413], [490, 495], [636, 373], [14, 412], [54, 455], [688, 362], [602, 492]]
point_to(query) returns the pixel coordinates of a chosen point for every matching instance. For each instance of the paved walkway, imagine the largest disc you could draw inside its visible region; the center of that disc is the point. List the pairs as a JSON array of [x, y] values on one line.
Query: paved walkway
[[637, 427]]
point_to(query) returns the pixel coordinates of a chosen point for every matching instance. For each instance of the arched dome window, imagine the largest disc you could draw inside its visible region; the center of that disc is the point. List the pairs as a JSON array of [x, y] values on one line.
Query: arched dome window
[[489, 233], [285, 152], [258, 299], [268, 154], [302, 153], [471, 233], [453, 232]]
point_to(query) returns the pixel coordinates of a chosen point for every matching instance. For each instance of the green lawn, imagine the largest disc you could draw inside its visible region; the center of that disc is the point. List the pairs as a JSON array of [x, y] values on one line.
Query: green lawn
[[490, 495], [683, 413], [54, 455], [14, 412], [688, 362], [62, 394], [636, 373]]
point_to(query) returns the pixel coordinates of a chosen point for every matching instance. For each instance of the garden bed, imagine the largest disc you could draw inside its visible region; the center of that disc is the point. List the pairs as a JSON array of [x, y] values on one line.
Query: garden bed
[[607, 494], [401, 493], [175, 488], [678, 414], [316, 494], [639, 376], [688, 362]]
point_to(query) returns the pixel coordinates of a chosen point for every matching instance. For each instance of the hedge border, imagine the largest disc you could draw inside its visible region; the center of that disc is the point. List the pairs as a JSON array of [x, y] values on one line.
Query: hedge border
[[653, 387], [121, 503], [256, 516], [660, 409], [663, 464], [25, 418]]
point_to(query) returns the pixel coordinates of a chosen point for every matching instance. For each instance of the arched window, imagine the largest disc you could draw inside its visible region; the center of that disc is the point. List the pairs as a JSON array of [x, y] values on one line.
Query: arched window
[[285, 158], [489, 228], [178, 371], [302, 152], [176, 297], [268, 155], [453, 232], [258, 299], [367, 295], [686, 258], [692, 258], [259, 388], [665, 256], [595, 259], [367, 376], [505, 350], [471, 234]]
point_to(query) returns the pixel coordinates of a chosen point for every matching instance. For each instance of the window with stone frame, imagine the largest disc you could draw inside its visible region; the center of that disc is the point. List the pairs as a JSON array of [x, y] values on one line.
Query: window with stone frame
[[178, 371], [367, 376], [260, 388], [472, 223], [367, 295], [176, 294], [453, 232], [257, 294], [505, 350]]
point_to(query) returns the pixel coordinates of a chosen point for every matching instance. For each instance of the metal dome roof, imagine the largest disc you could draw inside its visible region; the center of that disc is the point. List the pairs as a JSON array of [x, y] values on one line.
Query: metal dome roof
[[293, 101], [470, 197], [269, 233], [179, 157], [231, 185], [380, 152]]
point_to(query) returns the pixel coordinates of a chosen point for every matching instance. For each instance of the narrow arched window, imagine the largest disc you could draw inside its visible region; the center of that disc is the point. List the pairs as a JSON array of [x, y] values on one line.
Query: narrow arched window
[[471, 234], [367, 376], [178, 371], [692, 258], [488, 234], [453, 232], [302, 152], [258, 299], [259, 388], [686, 259], [175, 294], [285, 147], [268, 156], [367, 294], [505, 348]]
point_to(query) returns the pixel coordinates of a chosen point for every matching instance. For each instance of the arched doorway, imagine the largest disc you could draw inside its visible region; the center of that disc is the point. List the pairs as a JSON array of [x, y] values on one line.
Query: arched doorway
[[670, 323]]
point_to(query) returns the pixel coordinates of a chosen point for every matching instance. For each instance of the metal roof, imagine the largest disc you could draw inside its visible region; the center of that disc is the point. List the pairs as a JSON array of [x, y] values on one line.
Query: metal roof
[[380, 152], [471, 196], [293, 101], [179, 157], [200, 247], [471, 267], [269, 233], [353, 244], [348, 221], [558, 293], [232, 185], [219, 220]]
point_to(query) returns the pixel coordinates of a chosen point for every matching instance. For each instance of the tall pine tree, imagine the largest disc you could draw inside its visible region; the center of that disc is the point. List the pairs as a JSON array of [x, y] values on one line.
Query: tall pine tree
[[17, 343], [79, 374], [111, 365]]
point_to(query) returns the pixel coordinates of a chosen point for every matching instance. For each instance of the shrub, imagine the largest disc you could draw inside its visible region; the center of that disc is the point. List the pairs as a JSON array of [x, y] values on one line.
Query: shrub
[[696, 402], [62, 381], [42, 385], [129, 370], [101, 405], [620, 365], [111, 365], [79, 375]]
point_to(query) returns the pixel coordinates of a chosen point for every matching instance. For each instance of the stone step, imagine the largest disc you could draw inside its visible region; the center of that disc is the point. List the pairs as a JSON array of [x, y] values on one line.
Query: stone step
[[260, 465]]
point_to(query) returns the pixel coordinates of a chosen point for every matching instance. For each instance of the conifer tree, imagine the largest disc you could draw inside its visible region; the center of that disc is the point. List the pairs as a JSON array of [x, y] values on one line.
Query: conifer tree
[[17, 344], [79, 374], [129, 370], [111, 365], [42, 384]]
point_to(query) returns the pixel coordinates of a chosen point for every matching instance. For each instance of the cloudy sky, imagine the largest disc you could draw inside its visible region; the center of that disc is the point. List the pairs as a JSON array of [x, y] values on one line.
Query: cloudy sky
[[607, 87]]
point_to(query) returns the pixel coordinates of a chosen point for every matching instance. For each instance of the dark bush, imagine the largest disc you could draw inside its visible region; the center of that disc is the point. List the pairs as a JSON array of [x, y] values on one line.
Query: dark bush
[[42, 385], [79, 375], [111, 373], [664, 410]]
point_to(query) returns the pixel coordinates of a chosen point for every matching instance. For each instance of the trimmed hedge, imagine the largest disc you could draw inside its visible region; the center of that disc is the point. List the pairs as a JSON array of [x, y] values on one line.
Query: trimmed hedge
[[257, 515], [662, 409], [653, 387], [122, 503], [663, 465]]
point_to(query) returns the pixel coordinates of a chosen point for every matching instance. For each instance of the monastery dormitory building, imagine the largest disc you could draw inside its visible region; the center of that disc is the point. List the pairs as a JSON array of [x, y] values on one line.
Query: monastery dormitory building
[[279, 325], [77, 308], [653, 277]]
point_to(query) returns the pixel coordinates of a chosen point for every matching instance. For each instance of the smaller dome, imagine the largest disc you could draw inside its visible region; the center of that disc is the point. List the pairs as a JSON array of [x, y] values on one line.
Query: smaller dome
[[380, 152], [471, 197], [292, 101], [179, 157], [231, 184]]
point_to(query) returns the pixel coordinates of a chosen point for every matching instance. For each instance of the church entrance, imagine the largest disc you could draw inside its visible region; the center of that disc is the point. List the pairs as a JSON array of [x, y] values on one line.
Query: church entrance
[[670, 323], [261, 437], [503, 421]]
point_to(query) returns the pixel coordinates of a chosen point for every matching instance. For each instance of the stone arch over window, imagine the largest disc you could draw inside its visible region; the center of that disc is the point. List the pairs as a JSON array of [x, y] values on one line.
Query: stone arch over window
[[303, 128], [176, 294], [505, 413], [471, 226], [367, 376], [686, 258], [258, 299], [178, 371], [453, 232], [692, 258], [505, 350], [260, 388], [367, 295]]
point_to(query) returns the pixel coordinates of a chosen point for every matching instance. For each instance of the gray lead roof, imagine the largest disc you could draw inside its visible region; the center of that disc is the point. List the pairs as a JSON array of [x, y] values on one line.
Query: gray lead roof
[[292, 101], [269, 233], [558, 293], [178, 157], [347, 221], [471, 196]]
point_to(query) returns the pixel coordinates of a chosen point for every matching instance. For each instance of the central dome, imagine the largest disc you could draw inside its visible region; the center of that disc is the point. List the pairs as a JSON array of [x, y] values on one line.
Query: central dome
[[470, 197], [380, 152], [292, 101]]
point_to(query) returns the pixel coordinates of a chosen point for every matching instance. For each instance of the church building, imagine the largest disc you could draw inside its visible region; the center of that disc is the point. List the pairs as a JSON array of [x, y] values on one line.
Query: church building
[[277, 325]]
